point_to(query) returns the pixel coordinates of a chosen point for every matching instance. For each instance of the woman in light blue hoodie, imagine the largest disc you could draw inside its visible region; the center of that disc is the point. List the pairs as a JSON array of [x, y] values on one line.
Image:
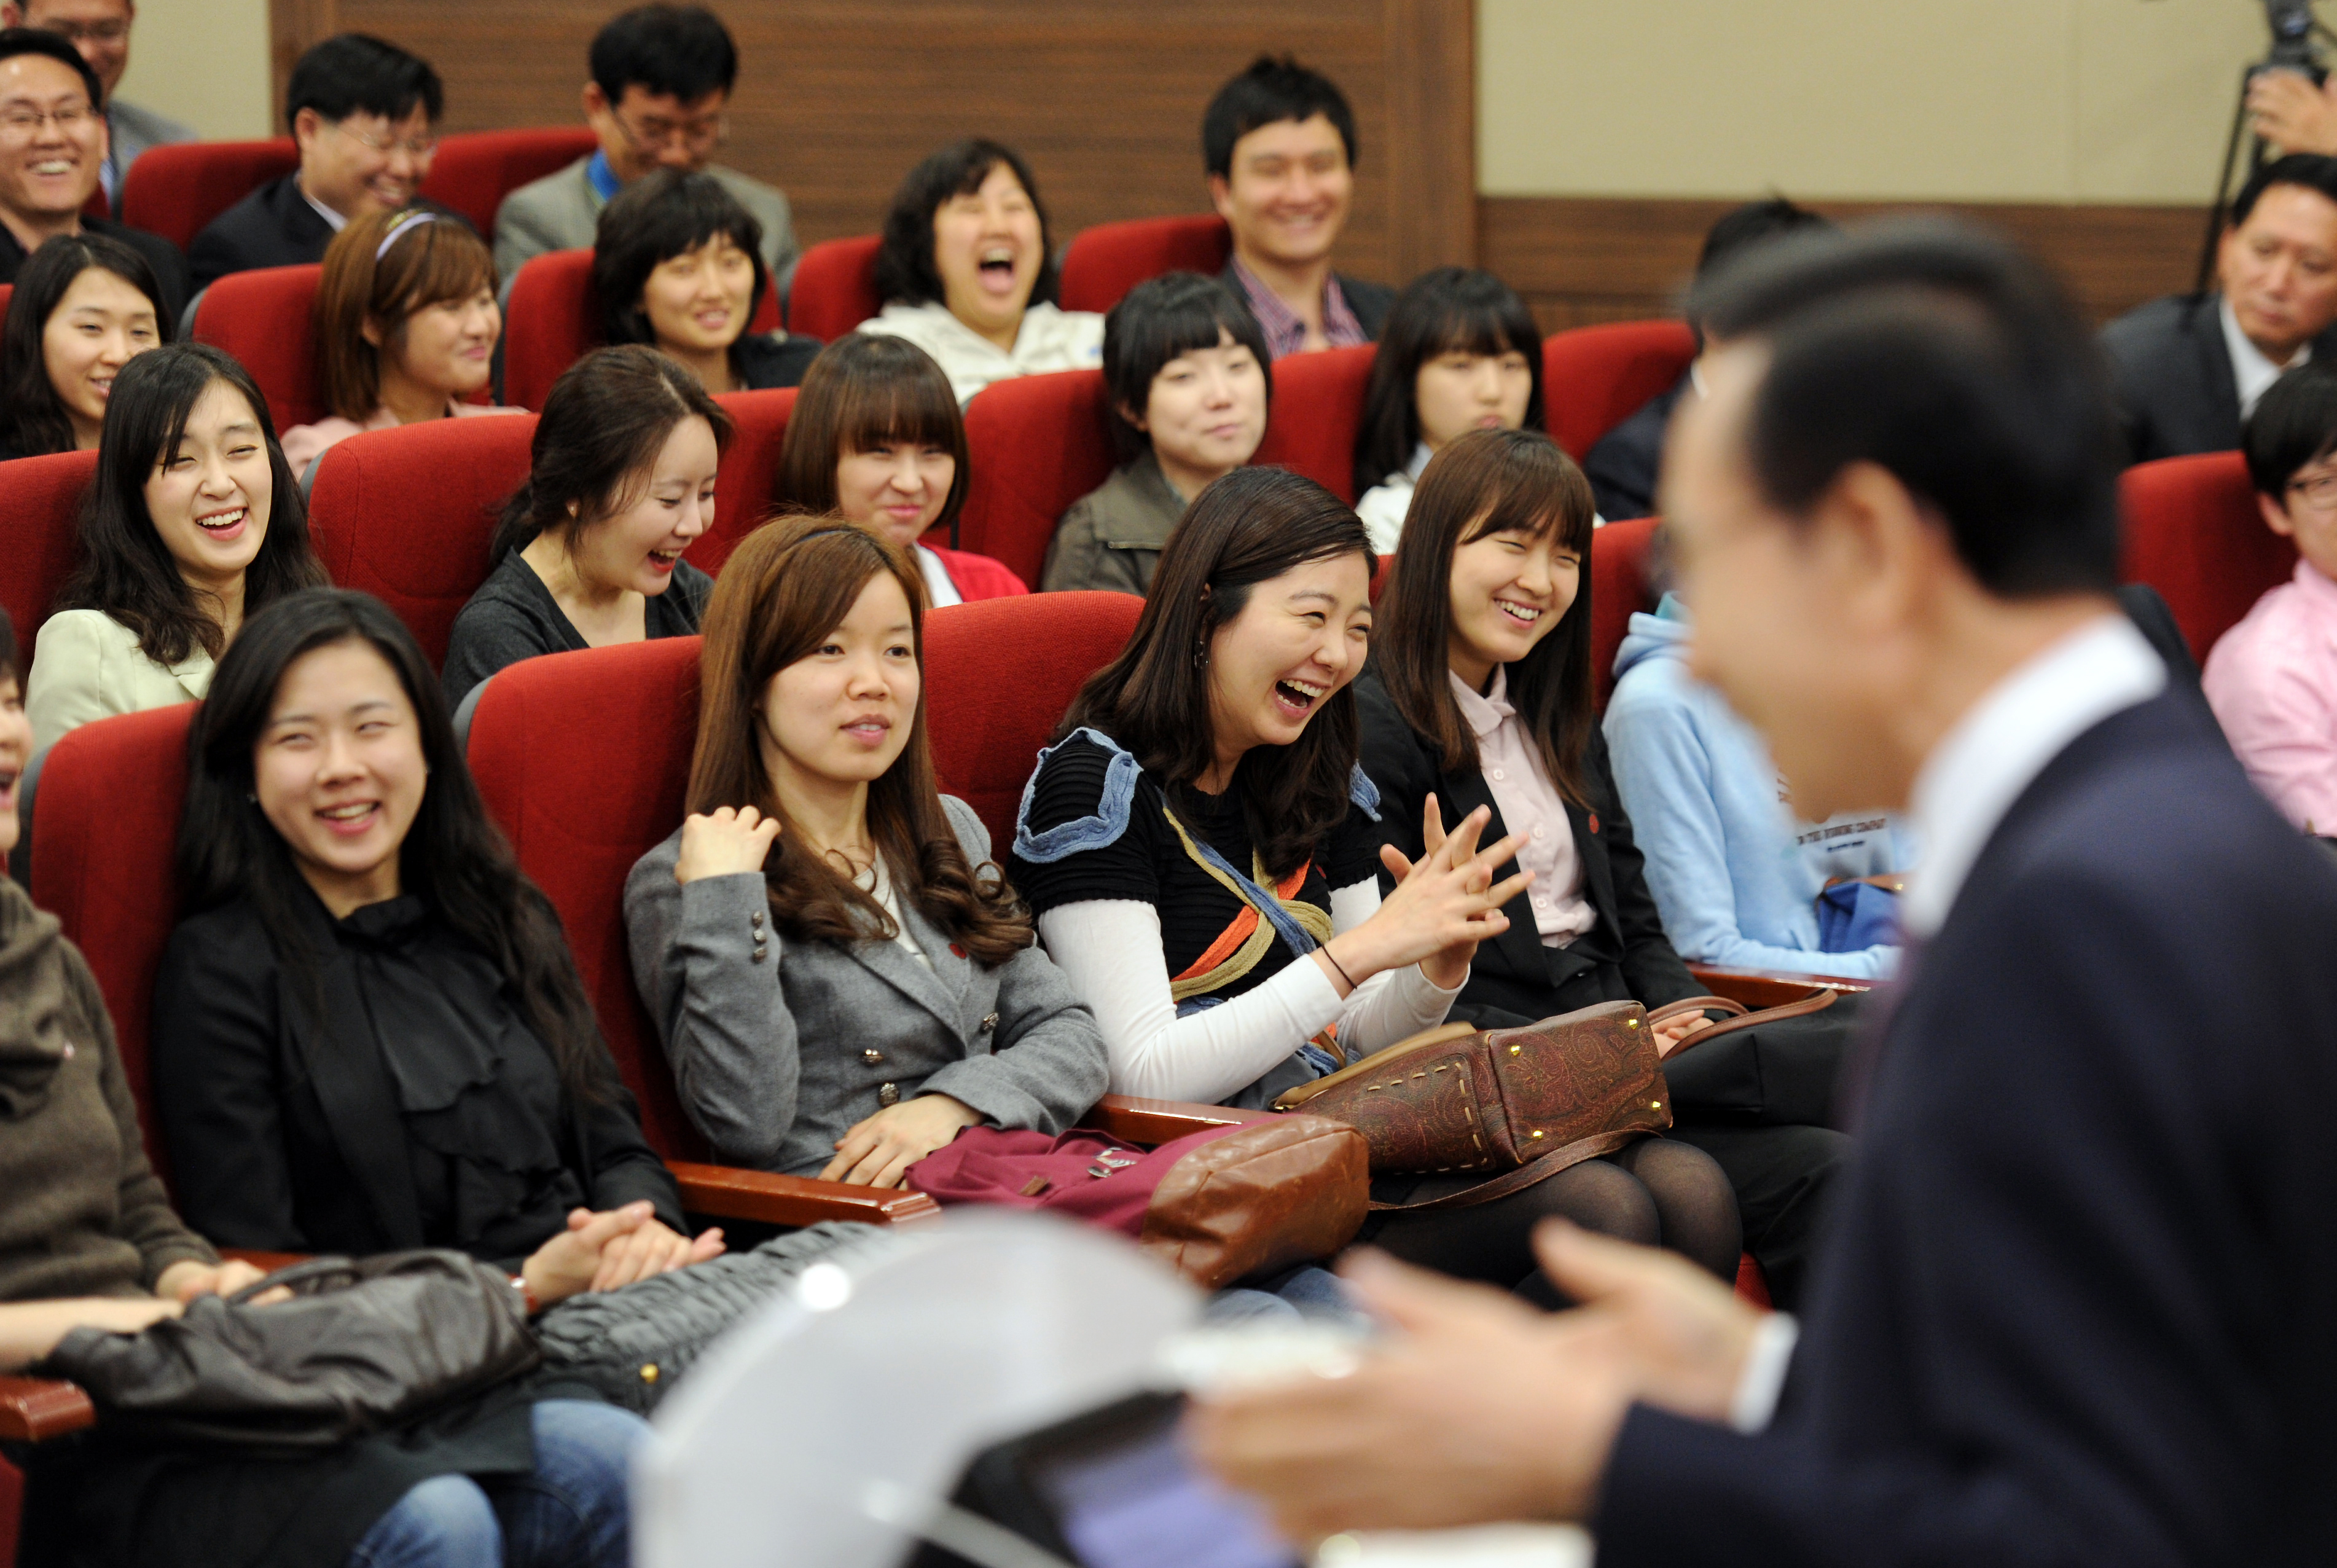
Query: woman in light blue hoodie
[[1736, 874]]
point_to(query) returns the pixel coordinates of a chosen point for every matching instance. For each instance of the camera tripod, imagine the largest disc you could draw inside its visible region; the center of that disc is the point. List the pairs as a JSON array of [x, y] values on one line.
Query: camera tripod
[[2296, 35]]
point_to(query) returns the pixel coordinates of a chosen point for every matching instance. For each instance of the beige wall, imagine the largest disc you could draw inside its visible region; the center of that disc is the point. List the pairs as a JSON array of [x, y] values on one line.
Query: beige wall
[[202, 62], [2056, 101]]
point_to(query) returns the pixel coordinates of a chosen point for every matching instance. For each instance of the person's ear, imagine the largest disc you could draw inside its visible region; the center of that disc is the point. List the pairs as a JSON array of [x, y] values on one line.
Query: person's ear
[[1221, 196], [1873, 550], [371, 330], [596, 103], [1127, 411], [2275, 516], [307, 126]]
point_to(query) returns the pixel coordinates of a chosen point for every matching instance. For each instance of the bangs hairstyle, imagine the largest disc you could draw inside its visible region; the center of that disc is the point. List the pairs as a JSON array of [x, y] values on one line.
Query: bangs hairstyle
[[126, 570], [650, 222], [782, 591], [453, 858], [1490, 481], [2294, 426], [862, 392], [1253, 525], [1451, 311], [603, 423], [904, 261], [382, 268], [31, 412], [1158, 320]]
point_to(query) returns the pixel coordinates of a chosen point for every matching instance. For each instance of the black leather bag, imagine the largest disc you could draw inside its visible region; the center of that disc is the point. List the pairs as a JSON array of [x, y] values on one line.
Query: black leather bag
[[363, 1347], [1770, 1071]]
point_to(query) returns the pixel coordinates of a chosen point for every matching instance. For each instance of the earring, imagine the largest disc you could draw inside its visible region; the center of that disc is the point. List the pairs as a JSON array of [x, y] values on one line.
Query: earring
[[1200, 653]]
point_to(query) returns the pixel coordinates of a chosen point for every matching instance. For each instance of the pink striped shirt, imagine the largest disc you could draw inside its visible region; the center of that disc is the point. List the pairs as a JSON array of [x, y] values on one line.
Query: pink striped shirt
[[2273, 683]]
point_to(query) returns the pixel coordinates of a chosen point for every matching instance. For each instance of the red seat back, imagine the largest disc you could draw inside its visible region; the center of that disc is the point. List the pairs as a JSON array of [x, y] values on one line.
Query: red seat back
[[408, 515], [1618, 589], [44, 511], [2193, 532], [7, 290], [476, 170], [176, 190], [266, 319], [1105, 261], [554, 320], [1318, 408], [750, 472], [104, 834], [1035, 444], [1595, 378], [834, 287]]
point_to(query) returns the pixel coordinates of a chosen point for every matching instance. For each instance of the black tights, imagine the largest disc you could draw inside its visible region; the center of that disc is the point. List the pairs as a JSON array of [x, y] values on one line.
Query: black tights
[[1657, 1192]]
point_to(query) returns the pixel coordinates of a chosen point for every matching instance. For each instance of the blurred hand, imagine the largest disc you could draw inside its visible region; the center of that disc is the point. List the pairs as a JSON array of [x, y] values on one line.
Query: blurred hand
[[574, 1261], [651, 1251], [878, 1151], [2292, 113], [1672, 1031], [725, 843], [183, 1281]]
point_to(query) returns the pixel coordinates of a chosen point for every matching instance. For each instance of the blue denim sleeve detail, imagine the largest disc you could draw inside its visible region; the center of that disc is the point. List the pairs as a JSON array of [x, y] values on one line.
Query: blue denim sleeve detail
[[1105, 827], [1362, 792]]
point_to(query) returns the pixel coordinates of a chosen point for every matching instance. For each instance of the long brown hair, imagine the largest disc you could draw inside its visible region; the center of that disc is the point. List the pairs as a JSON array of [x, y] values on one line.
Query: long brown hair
[[1489, 481], [781, 593], [384, 267], [864, 390], [1253, 525]]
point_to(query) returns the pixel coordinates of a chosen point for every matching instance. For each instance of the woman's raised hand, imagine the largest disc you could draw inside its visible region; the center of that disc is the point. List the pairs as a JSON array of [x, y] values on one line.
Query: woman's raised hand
[[725, 843], [1443, 904]]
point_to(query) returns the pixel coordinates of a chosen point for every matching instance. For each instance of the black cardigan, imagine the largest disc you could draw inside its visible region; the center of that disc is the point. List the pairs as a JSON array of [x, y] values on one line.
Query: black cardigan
[[1514, 979]]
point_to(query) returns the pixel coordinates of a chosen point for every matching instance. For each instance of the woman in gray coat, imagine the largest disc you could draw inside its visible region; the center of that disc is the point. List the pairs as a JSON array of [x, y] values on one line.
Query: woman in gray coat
[[842, 980]]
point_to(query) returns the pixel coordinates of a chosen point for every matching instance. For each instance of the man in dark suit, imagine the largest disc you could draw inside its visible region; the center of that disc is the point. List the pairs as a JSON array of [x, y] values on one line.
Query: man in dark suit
[[1279, 142], [365, 115], [2079, 1303], [2189, 368], [52, 146]]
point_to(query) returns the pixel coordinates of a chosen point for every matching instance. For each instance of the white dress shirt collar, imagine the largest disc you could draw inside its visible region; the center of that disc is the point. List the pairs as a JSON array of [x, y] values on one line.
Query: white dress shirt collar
[[326, 213], [2253, 371]]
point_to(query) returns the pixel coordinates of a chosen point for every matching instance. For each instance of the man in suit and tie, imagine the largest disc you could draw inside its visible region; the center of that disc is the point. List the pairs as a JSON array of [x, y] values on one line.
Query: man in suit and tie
[[2079, 1303], [2189, 368], [100, 30]]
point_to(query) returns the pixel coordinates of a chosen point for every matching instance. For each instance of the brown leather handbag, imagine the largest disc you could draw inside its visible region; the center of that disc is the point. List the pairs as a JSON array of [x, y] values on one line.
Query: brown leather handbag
[[1529, 1101]]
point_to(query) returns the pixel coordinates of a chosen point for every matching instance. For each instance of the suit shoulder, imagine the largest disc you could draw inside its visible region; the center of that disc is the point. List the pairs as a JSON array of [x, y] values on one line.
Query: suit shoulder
[[972, 834], [2150, 325]]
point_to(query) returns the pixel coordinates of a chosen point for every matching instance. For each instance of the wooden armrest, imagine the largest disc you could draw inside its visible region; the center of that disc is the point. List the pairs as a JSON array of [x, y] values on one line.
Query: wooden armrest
[[1759, 988], [1152, 1121], [728, 1193], [266, 1262], [34, 1409]]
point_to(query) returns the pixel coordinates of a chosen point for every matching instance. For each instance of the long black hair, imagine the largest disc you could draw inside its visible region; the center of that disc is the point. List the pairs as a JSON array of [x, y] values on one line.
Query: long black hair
[[125, 570], [1253, 525], [32, 417], [1451, 311], [453, 858]]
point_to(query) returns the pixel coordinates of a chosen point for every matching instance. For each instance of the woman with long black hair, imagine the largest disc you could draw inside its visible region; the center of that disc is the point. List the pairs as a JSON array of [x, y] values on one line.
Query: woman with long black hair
[[85, 306]]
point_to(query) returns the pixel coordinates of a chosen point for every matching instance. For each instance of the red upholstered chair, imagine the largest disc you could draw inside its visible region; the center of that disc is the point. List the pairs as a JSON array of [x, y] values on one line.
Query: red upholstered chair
[[43, 528], [834, 287], [2193, 532], [554, 320], [7, 290], [750, 472], [408, 515], [1595, 378], [1034, 444], [265, 320], [1618, 589], [476, 170], [1105, 261], [175, 191], [1318, 407]]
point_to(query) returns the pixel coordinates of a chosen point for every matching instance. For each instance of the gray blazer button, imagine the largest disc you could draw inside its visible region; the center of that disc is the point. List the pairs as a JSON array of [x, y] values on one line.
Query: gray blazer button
[[759, 953], [759, 920], [872, 1057], [889, 1094], [990, 1023]]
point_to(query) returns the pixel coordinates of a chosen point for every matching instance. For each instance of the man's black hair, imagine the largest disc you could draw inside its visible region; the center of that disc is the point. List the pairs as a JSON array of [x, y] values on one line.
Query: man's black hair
[[2310, 169], [668, 51], [2294, 426], [1742, 227], [1948, 358], [15, 41], [357, 74], [1270, 91]]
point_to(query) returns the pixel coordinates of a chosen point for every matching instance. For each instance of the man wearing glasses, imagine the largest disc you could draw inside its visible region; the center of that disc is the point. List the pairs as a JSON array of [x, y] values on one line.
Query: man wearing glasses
[[661, 80], [366, 115], [100, 29], [52, 143]]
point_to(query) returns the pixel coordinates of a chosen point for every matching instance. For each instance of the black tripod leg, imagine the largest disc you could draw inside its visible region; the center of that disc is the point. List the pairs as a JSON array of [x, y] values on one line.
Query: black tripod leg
[[2224, 185]]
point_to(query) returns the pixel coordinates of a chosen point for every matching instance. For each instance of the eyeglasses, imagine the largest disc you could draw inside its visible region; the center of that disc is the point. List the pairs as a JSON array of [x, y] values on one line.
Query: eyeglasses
[[420, 148], [112, 32], [22, 123], [705, 130], [2320, 492]]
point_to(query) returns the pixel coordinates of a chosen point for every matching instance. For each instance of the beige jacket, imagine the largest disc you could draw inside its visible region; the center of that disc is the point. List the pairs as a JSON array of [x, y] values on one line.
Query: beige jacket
[[87, 665]]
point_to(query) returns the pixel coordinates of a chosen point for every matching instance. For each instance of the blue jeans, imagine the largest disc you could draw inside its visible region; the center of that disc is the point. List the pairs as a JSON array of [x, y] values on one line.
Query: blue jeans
[[571, 1509]]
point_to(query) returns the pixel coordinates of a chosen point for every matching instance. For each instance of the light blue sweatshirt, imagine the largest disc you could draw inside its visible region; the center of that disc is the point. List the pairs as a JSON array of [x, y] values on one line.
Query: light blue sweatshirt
[[1735, 875]]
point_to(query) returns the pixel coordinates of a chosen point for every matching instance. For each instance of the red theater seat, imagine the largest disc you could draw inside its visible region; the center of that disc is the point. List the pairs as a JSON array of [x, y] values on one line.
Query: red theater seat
[[1618, 589], [176, 190], [1105, 261], [476, 170], [1318, 408], [2193, 532], [408, 515], [1034, 445], [834, 287], [7, 290], [750, 472], [554, 320], [265, 319], [1595, 378], [44, 511]]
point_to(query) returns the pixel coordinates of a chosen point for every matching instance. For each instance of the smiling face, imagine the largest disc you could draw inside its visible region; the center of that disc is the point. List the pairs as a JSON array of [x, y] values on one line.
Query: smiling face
[[1287, 195], [210, 499], [1299, 638], [102, 320], [1206, 413], [896, 487], [447, 346], [698, 300], [2279, 269], [1458, 392], [16, 751], [1506, 593], [638, 548], [99, 30], [840, 715], [987, 250], [366, 162], [339, 772], [49, 166], [645, 131]]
